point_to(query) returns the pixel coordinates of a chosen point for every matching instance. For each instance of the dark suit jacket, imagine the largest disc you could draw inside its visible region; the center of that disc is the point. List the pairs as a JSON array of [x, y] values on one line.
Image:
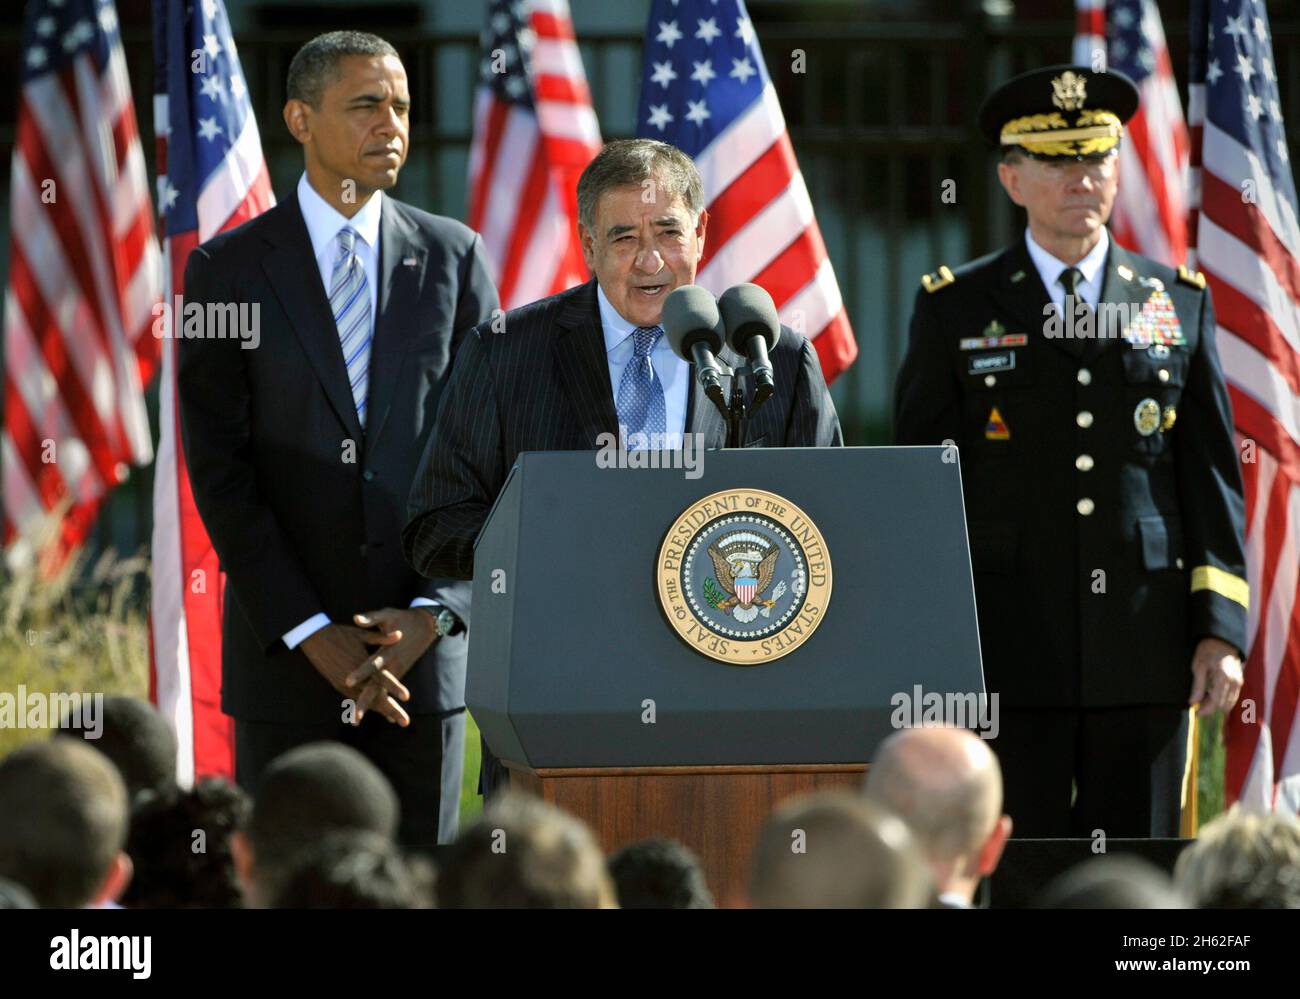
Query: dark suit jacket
[[542, 384], [299, 527], [1164, 518]]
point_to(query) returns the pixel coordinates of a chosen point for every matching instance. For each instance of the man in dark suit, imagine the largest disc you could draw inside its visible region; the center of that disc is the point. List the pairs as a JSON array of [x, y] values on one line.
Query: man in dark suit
[[302, 451], [1103, 497], [558, 374]]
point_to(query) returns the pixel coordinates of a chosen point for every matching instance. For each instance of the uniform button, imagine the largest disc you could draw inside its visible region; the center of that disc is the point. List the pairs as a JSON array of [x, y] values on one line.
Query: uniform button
[[1085, 376], [1178, 562], [990, 380], [1163, 374], [367, 475], [1084, 419], [1083, 463], [1085, 506]]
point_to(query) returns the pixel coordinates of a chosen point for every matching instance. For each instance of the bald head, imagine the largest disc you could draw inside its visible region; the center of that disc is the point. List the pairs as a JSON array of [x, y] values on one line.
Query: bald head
[[946, 785]]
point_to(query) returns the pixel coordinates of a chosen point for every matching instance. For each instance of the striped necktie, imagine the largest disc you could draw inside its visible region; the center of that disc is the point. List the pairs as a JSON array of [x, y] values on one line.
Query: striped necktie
[[350, 303]]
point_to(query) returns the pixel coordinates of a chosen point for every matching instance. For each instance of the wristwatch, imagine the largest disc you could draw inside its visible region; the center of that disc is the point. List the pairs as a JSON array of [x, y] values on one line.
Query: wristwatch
[[444, 620]]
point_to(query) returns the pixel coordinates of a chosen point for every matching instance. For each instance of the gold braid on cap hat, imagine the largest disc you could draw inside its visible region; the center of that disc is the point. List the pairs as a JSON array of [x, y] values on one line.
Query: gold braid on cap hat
[[1051, 135]]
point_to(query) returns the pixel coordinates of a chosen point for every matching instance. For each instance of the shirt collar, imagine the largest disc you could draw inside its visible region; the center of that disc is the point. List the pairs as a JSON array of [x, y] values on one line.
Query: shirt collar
[[1049, 267], [324, 221], [616, 328]]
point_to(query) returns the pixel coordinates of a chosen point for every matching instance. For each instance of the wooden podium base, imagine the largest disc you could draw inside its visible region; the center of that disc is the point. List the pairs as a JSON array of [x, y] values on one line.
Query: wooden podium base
[[716, 811]]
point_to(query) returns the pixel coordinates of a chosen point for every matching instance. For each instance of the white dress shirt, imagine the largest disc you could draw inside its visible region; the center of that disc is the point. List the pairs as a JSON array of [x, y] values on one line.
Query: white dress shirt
[[674, 373], [1049, 269], [323, 224]]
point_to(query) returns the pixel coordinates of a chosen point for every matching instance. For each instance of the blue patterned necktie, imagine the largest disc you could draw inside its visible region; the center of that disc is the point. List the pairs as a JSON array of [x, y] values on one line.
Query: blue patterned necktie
[[641, 394], [350, 304]]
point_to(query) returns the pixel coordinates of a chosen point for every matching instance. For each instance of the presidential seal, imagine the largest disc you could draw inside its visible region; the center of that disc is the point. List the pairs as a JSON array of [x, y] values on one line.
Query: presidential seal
[[744, 577]]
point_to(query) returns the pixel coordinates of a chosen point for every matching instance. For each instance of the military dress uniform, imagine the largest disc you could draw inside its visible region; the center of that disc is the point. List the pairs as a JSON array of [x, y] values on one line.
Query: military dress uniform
[[1105, 517]]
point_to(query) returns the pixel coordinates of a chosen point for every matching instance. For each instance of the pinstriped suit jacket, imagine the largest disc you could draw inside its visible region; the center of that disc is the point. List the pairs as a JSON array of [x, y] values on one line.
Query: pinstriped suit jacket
[[542, 384]]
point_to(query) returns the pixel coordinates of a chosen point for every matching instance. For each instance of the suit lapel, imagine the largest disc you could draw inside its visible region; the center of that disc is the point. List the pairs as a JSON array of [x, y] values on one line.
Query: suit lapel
[[1119, 287], [1020, 293], [401, 270], [291, 270], [578, 356], [702, 416]]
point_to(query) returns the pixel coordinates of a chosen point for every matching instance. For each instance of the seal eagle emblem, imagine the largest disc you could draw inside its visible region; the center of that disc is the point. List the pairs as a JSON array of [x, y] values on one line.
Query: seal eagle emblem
[[744, 576]]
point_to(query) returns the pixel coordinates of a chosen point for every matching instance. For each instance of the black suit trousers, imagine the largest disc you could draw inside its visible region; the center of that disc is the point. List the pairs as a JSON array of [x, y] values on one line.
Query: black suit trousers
[[1070, 772]]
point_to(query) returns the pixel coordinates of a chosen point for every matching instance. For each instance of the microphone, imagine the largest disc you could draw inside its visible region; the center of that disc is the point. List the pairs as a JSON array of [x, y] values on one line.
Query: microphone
[[752, 330], [694, 330]]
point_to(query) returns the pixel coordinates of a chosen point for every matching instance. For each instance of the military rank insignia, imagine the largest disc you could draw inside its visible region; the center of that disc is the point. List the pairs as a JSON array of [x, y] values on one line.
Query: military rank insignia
[[996, 428], [995, 335], [1167, 421], [1146, 418], [1157, 323]]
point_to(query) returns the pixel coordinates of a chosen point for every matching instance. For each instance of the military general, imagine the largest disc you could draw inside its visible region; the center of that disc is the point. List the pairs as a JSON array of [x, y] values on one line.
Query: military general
[[1081, 387]]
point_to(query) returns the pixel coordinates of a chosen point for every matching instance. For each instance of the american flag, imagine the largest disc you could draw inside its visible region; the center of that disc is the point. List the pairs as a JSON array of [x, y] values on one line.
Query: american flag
[[83, 280], [1246, 239], [211, 177], [705, 90], [534, 132], [1150, 213]]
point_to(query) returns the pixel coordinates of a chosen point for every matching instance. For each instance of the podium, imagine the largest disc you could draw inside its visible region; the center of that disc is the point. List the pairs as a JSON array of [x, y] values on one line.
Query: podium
[[670, 652]]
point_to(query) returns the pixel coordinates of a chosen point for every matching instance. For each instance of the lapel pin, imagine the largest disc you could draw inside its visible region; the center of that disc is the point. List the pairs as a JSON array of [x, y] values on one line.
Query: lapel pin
[[409, 261], [1017, 277], [1124, 272]]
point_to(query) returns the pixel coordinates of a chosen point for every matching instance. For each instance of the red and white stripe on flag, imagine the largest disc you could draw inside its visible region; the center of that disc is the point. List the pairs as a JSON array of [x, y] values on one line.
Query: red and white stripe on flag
[[756, 199], [1246, 237], [534, 132], [185, 637], [84, 277], [1150, 212]]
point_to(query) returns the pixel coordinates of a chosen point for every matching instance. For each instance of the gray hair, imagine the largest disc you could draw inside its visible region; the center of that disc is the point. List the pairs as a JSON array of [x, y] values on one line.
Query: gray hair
[[630, 163], [315, 65], [1243, 861]]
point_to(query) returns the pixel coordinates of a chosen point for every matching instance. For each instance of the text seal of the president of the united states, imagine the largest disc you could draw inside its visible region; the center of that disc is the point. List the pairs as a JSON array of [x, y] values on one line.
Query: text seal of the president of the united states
[[744, 576]]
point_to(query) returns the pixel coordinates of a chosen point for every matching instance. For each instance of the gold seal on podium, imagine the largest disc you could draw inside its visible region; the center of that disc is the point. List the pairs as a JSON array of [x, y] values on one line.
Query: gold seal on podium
[[744, 576]]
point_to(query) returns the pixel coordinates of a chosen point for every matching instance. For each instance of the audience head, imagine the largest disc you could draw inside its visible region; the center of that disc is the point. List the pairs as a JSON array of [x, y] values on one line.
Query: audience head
[[1116, 882], [1243, 861], [180, 844], [355, 870], [132, 734], [524, 853], [15, 896], [65, 822], [304, 794], [945, 783], [835, 850], [659, 874]]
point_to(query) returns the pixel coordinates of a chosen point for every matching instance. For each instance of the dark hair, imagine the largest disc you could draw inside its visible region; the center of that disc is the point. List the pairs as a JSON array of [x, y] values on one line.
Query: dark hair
[[630, 163], [524, 853], [312, 790], [315, 65], [136, 738], [659, 874], [1117, 882], [355, 870], [175, 868], [64, 820]]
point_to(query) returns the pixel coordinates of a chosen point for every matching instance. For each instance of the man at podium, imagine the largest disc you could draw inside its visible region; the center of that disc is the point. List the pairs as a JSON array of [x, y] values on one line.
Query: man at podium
[[592, 362], [559, 374], [1103, 497]]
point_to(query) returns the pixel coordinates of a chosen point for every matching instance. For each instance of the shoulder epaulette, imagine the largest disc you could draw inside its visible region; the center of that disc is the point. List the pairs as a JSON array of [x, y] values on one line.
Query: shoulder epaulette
[[1195, 278], [939, 279]]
